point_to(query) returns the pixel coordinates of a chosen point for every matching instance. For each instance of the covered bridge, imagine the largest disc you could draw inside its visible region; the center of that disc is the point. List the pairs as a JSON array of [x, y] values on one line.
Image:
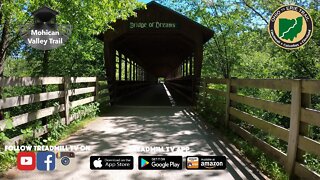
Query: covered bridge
[[157, 44]]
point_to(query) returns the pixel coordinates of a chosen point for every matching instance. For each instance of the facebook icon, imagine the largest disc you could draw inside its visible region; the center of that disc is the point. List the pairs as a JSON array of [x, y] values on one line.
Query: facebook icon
[[46, 161]]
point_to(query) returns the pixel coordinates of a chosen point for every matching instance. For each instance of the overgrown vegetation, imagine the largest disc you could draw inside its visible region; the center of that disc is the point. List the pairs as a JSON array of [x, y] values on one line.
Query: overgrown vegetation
[[212, 109], [57, 131]]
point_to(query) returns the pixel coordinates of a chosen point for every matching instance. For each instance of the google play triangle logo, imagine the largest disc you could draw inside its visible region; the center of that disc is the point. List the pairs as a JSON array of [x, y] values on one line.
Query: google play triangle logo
[[144, 162]]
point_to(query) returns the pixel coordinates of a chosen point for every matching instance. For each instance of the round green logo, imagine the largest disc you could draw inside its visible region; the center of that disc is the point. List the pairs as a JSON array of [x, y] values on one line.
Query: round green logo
[[290, 27]]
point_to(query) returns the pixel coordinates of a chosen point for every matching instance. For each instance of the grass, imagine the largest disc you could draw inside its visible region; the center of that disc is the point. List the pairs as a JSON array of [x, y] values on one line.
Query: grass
[[210, 112], [266, 164], [72, 128]]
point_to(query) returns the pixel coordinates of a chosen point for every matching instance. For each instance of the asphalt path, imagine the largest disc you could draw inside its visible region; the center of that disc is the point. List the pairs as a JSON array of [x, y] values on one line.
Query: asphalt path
[[125, 130]]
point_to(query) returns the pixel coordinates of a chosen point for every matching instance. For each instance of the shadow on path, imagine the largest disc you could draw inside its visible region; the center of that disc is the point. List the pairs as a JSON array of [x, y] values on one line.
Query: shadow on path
[[125, 129]]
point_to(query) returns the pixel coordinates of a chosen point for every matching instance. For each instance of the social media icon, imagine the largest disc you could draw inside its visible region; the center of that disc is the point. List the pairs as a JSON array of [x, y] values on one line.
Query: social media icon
[[46, 161], [66, 161], [26, 161]]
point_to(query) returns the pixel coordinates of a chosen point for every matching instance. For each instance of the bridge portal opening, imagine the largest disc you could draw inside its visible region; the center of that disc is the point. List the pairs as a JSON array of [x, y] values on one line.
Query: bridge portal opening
[[157, 43]]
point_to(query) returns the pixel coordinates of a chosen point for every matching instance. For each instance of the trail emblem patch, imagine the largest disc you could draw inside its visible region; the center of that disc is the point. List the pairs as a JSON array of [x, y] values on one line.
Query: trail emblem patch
[[290, 27]]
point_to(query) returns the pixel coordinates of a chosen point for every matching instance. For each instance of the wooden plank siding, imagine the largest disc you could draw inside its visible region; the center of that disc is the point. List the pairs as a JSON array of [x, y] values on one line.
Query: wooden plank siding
[[28, 117], [78, 91], [80, 102], [277, 84], [310, 116], [218, 92], [271, 128], [274, 107], [29, 99], [83, 79], [311, 86], [29, 81]]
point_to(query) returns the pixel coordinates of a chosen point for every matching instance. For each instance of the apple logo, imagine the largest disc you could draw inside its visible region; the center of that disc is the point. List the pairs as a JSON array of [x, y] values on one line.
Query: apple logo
[[97, 163]]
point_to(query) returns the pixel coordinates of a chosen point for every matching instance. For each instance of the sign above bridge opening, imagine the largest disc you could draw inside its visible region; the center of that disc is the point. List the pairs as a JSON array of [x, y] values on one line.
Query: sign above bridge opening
[[153, 25]]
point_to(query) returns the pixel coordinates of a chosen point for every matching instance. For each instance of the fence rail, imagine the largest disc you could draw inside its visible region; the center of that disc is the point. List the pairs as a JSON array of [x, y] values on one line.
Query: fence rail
[[299, 112], [64, 106]]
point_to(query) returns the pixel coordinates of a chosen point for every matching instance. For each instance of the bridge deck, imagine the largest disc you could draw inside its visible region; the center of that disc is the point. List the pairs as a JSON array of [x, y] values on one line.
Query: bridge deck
[[154, 95], [126, 127]]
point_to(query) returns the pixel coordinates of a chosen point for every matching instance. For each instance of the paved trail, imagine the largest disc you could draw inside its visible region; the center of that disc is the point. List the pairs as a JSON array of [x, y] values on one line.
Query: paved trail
[[126, 127]]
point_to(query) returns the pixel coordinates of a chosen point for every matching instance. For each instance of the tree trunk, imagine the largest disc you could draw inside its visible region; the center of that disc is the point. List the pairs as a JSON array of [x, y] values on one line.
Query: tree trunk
[[3, 48], [4, 41], [44, 74]]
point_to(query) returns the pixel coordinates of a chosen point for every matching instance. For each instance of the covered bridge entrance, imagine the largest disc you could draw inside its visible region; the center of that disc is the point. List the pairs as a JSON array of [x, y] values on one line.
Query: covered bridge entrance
[[157, 45]]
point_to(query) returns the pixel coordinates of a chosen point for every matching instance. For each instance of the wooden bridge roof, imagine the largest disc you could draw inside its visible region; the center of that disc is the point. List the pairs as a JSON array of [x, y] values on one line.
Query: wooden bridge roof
[[158, 39]]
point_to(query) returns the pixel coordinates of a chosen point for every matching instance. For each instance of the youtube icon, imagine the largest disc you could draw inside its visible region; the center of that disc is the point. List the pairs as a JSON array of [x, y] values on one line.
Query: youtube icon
[[26, 161]]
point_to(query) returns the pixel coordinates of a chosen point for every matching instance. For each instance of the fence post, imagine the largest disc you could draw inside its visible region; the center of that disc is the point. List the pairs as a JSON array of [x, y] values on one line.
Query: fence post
[[295, 116], [227, 118], [304, 127], [96, 92], [230, 89], [66, 87], [204, 88]]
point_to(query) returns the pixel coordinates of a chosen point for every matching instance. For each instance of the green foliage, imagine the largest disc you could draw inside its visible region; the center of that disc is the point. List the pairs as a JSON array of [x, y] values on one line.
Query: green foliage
[[269, 166], [57, 131], [82, 54], [312, 161], [7, 158], [211, 108], [27, 134], [3, 137], [90, 110], [8, 121]]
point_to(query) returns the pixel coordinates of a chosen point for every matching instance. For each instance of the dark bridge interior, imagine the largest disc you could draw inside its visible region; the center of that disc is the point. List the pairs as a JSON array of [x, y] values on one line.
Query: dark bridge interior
[[157, 45]]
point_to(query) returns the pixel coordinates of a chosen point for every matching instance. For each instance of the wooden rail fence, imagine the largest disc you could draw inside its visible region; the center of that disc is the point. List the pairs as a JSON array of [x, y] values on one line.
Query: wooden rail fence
[[299, 112], [97, 90]]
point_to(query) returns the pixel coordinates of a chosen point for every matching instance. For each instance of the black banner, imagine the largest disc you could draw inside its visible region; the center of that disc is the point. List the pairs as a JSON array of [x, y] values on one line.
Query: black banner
[[206, 162], [160, 162], [111, 162]]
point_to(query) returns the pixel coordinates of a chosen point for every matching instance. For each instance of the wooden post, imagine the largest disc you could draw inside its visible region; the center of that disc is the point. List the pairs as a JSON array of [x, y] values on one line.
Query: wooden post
[[227, 118], [183, 69], [304, 128], [130, 69], [230, 89], [137, 72], [134, 71], [198, 58], [191, 65], [66, 87], [125, 68], [110, 61], [96, 92], [204, 89], [187, 70], [120, 64], [295, 116]]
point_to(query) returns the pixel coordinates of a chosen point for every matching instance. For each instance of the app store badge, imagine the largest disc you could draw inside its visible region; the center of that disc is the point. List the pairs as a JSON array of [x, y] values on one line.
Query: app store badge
[[111, 162]]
